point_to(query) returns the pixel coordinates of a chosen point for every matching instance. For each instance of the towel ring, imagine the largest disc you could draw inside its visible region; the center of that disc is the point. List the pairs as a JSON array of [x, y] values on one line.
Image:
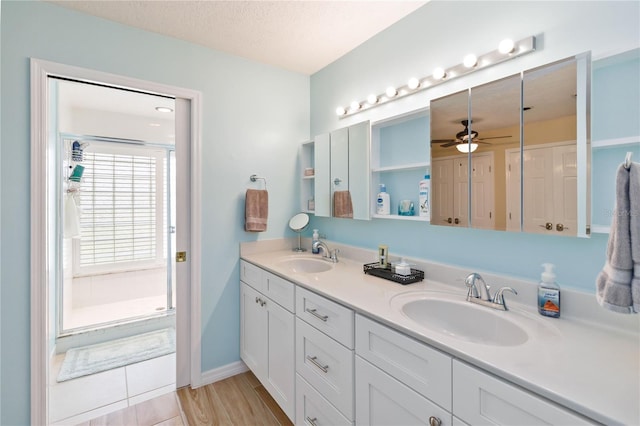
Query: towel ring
[[627, 160], [254, 178]]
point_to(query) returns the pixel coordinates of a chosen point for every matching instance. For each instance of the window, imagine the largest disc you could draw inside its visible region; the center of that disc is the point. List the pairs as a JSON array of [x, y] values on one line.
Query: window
[[123, 209]]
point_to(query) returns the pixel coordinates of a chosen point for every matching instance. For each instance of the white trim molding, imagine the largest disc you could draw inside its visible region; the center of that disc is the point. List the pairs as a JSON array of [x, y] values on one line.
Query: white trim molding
[[221, 373], [40, 72]]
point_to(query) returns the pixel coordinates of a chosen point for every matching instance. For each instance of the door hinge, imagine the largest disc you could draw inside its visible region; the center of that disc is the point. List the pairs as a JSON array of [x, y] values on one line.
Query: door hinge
[[181, 256]]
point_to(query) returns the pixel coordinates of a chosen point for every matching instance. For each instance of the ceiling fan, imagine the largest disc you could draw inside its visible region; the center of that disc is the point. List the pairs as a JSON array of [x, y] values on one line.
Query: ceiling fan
[[464, 137]]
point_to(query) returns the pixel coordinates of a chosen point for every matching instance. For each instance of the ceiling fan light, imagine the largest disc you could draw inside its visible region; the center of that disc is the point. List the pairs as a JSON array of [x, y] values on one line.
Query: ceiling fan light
[[466, 147]]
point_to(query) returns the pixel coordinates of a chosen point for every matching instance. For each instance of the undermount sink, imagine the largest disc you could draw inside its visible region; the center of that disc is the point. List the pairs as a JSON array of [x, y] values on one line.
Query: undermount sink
[[463, 320], [305, 265]]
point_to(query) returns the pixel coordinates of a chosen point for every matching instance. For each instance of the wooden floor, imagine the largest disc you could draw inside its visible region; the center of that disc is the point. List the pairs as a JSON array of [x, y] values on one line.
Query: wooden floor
[[238, 400], [161, 411]]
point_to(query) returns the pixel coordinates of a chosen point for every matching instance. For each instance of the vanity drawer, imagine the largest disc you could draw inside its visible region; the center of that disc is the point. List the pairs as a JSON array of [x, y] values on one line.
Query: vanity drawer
[[326, 365], [424, 369], [480, 398], [279, 290], [313, 410], [251, 274], [327, 316]]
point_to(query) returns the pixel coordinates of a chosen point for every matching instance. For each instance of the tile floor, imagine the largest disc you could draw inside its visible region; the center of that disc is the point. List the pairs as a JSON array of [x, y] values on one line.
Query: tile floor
[[79, 400]]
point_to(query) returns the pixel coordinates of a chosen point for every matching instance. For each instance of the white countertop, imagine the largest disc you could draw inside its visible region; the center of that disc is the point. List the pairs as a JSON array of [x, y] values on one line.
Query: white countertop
[[593, 369]]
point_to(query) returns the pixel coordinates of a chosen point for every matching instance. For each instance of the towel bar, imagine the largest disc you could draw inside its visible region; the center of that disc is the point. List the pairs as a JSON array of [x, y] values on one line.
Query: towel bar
[[254, 178]]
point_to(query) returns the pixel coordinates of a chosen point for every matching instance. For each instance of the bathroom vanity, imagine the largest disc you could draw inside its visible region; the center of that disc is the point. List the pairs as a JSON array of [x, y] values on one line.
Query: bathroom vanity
[[350, 351]]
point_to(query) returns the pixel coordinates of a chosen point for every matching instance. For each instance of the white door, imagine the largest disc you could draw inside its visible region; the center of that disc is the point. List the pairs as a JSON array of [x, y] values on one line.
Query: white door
[[512, 168], [461, 191], [565, 195], [253, 336], [442, 192], [482, 191]]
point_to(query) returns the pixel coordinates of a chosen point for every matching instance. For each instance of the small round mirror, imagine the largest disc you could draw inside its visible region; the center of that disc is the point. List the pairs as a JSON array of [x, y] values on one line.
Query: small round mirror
[[299, 223]]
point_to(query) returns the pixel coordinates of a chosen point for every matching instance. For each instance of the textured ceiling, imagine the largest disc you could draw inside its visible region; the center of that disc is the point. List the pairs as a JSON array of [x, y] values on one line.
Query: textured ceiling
[[301, 36]]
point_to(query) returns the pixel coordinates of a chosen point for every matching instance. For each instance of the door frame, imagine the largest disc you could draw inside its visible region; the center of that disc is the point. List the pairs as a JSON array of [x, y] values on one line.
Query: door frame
[[41, 229]]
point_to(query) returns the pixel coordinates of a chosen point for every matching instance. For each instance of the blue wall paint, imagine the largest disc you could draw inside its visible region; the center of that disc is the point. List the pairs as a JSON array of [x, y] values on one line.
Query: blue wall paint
[[562, 29], [253, 119]]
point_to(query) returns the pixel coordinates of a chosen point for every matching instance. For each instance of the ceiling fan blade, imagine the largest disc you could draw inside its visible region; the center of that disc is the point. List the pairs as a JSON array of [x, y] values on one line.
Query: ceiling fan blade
[[495, 137], [441, 140], [448, 144]]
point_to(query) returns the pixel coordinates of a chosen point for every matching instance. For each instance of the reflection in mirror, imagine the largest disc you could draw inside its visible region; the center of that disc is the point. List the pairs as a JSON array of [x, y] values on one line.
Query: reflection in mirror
[[299, 223], [495, 122], [550, 173], [449, 164]]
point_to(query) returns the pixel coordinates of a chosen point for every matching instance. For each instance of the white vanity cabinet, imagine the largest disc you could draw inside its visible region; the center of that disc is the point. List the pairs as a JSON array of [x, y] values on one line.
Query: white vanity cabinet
[[483, 399], [267, 324], [398, 379], [324, 360]]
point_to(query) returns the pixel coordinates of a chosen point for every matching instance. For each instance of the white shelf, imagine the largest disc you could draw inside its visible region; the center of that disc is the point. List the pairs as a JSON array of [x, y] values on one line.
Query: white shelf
[[604, 143], [308, 177], [398, 217], [413, 166], [600, 229]]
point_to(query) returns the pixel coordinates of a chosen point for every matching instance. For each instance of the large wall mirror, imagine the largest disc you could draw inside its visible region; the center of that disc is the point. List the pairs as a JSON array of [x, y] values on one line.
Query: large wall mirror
[[513, 154]]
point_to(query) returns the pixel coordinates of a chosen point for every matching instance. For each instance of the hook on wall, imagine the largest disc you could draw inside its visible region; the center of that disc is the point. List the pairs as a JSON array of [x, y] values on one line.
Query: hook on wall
[[627, 160], [254, 178]]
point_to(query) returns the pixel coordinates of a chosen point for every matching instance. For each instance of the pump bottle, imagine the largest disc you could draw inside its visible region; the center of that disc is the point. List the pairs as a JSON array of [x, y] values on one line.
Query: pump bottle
[[548, 293]]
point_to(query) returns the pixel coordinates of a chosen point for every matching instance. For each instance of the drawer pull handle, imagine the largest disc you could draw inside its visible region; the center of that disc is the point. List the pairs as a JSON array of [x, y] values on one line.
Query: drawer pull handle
[[314, 361], [434, 421], [257, 299], [312, 421], [315, 313]]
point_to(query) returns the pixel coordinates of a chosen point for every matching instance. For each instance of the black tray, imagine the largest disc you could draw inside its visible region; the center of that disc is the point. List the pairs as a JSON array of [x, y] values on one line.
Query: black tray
[[386, 273]]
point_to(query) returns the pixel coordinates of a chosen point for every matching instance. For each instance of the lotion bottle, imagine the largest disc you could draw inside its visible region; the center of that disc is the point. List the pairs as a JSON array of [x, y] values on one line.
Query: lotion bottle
[[383, 205], [548, 293], [423, 196]]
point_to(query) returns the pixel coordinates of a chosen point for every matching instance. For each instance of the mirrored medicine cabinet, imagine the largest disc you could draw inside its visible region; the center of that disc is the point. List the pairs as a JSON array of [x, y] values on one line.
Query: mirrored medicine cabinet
[[513, 154], [342, 164]]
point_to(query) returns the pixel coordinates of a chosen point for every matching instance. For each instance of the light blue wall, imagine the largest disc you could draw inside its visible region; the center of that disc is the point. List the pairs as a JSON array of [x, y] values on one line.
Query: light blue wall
[[253, 119], [432, 37]]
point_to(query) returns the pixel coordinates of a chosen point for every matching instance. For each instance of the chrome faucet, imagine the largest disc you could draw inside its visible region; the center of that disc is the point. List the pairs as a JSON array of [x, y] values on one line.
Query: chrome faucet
[[330, 255], [481, 294]]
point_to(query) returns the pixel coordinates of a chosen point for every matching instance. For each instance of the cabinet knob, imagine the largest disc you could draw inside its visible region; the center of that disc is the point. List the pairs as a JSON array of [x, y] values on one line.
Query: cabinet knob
[[257, 299], [456, 221], [548, 226], [434, 421], [263, 302], [560, 227], [449, 220]]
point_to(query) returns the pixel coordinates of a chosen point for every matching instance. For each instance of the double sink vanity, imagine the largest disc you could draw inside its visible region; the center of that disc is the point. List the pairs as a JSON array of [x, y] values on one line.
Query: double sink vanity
[[335, 346]]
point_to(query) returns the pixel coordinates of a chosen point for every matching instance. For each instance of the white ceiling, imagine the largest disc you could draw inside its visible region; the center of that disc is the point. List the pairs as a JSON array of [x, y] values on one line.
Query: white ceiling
[[298, 35]]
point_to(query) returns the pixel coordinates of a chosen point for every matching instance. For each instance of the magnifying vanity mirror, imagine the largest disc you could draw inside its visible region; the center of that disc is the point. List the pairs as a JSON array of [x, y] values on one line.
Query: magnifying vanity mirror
[[513, 154], [299, 223]]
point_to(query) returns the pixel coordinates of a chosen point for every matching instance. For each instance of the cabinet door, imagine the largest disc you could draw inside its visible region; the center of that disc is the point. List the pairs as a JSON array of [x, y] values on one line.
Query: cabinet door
[[322, 181], [482, 399], [253, 334], [482, 191], [339, 161], [382, 400], [359, 176], [280, 371], [442, 188]]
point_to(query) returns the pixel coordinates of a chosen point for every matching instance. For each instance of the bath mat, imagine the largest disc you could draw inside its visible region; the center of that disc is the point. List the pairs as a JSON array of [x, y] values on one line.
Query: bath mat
[[105, 356]]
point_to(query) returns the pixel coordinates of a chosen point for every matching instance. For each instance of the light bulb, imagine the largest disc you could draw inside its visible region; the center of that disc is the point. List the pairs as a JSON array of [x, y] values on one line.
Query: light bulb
[[391, 92], [470, 60], [506, 46], [439, 74], [372, 99], [413, 83], [466, 147], [340, 111], [355, 105]]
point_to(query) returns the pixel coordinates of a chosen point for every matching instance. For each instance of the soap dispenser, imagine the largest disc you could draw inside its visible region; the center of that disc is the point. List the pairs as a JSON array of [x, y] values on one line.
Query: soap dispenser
[[314, 239], [383, 205], [548, 293]]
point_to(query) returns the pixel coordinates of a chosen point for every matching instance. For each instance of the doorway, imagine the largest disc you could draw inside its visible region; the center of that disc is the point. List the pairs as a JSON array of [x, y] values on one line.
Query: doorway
[[51, 191]]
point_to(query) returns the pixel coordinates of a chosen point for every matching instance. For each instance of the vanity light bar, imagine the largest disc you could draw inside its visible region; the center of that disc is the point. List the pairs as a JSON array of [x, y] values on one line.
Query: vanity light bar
[[507, 50]]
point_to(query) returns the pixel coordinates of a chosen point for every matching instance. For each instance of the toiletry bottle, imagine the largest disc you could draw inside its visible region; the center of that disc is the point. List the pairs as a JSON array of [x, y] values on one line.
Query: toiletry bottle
[[423, 196], [383, 205], [316, 237], [548, 293], [383, 255]]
